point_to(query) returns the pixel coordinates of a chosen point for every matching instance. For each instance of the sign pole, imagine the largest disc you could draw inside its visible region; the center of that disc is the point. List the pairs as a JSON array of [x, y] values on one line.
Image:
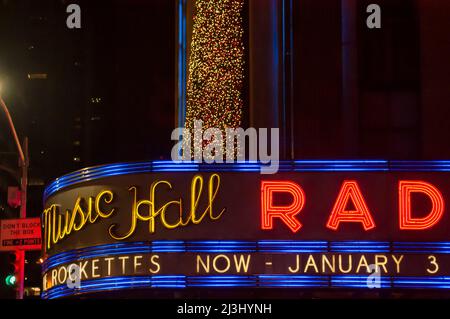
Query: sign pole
[[23, 214]]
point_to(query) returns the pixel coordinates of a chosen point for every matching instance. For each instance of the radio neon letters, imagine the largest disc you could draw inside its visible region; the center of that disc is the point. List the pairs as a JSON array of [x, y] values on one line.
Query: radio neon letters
[[407, 221], [285, 213], [350, 192]]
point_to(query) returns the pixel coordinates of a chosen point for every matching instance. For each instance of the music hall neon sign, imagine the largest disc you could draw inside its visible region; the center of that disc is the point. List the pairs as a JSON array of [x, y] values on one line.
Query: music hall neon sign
[[221, 205], [158, 210], [314, 224], [349, 194]]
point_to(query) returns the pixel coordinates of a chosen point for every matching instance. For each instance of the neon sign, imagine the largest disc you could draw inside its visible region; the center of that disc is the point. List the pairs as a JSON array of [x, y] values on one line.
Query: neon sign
[[406, 188], [59, 225], [350, 192], [285, 213], [313, 224]]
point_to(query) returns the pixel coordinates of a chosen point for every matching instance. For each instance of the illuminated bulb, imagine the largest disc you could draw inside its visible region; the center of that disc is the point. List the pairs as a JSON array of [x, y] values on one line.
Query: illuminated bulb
[[10, 280]]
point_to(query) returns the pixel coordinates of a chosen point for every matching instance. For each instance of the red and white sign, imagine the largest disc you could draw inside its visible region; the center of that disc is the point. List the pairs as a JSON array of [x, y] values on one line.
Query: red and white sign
[[23, 234]]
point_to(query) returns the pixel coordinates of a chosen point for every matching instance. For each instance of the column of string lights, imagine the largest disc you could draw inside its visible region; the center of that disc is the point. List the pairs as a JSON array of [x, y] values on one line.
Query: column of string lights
[[216, 67]]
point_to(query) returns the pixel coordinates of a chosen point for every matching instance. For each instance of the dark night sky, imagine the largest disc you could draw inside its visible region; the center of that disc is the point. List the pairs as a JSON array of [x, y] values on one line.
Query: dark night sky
[[124, 54]]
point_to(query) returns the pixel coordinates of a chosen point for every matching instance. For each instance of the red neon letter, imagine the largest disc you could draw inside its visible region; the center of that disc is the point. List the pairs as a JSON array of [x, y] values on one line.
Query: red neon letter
[[361, 214], [285, 213], [437, 210]]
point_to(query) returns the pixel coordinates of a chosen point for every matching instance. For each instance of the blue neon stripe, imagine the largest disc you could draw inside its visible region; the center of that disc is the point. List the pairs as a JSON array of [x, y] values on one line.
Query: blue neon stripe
[[360, 246], [263, 281]]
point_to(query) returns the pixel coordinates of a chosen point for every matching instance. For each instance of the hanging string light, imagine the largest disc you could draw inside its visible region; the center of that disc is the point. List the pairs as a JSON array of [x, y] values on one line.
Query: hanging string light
[[216, 66]]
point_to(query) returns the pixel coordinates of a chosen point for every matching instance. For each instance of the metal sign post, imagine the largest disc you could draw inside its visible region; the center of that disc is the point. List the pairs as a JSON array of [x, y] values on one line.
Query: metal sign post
[[23, 214]]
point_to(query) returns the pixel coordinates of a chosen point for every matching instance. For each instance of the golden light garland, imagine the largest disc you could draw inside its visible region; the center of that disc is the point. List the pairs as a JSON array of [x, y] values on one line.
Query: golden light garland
[[216, 66]]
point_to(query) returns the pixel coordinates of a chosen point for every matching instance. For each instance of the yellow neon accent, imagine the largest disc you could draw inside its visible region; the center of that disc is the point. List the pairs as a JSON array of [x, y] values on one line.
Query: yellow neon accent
[[58, 226], [56, 229], [153, 213]]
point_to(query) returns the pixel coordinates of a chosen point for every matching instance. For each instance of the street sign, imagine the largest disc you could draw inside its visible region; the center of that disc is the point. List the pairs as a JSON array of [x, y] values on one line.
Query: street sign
[[20, 234]]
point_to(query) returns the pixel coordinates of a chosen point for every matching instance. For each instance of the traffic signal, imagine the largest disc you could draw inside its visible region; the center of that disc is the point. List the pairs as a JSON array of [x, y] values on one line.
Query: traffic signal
[[10, 280], [13, 273]]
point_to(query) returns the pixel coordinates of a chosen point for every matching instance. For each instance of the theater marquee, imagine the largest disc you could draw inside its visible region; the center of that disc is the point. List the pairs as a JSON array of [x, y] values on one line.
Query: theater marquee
[[314, 224]]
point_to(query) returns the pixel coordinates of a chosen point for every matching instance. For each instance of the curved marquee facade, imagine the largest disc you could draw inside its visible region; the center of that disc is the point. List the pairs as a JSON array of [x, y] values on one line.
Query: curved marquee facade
[[325, 224]]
